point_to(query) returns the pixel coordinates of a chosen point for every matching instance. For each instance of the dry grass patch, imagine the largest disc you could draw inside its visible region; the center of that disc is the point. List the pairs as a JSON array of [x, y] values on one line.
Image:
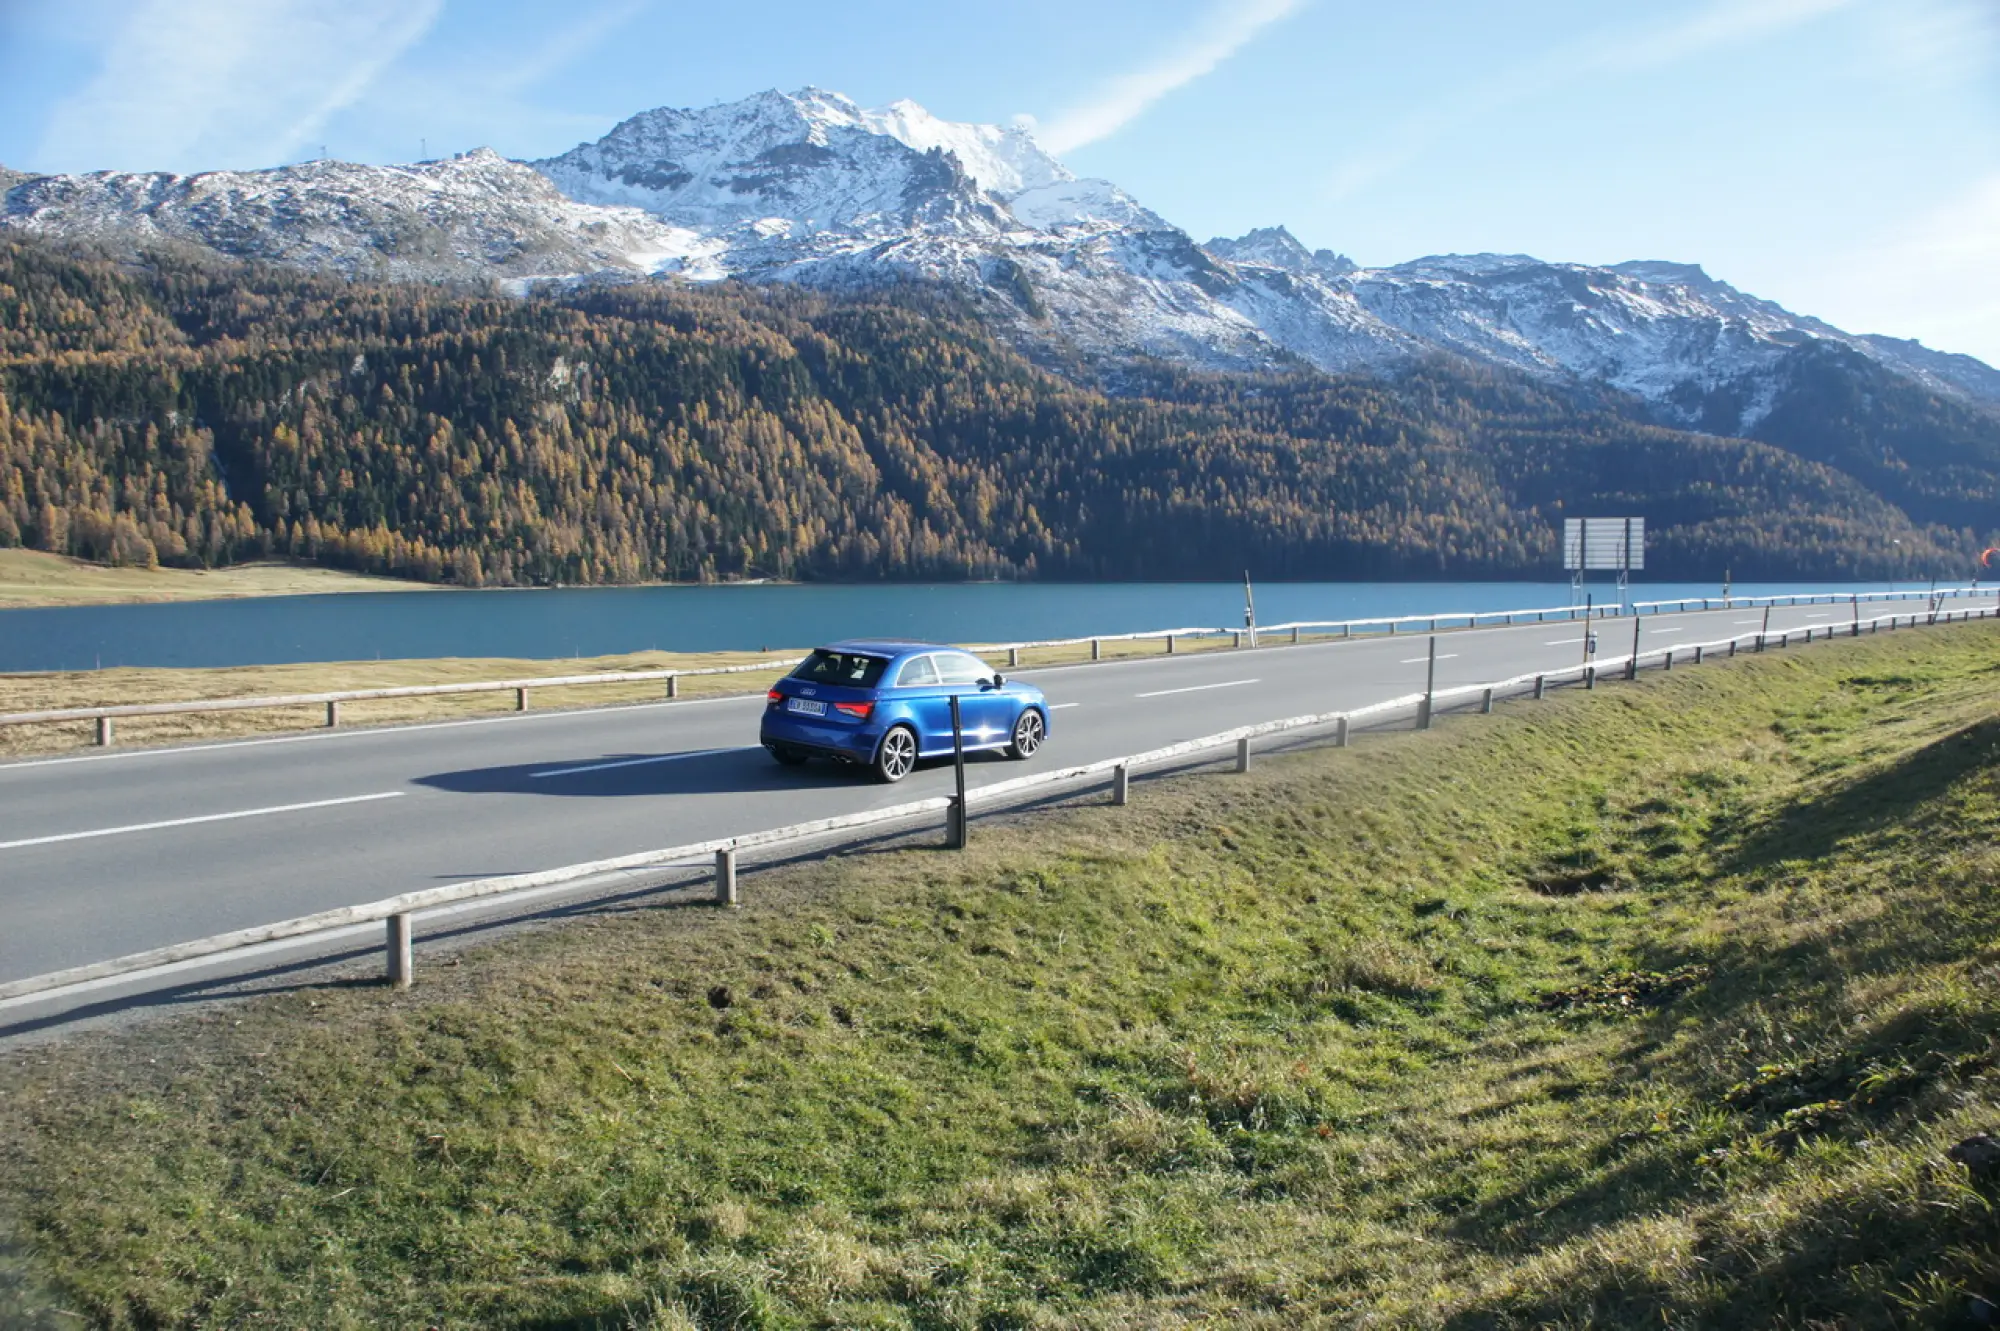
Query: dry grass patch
[[31, 578]]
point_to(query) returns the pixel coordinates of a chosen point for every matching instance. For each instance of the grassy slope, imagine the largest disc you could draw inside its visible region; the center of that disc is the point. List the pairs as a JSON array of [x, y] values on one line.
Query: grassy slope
[[1655, 1006], [31, 578]]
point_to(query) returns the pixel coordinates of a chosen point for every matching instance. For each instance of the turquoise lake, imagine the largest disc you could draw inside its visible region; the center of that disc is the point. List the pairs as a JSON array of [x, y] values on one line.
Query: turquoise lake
[[596, 621]]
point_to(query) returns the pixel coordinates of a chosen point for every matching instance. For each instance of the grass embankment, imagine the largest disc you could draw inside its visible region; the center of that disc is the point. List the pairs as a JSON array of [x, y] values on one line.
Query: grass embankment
[[126, 686], [32, 578], [1655, 1006]]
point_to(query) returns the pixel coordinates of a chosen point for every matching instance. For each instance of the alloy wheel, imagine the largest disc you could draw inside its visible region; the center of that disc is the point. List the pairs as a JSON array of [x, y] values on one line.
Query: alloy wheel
[[1028, 734], [898, 757]]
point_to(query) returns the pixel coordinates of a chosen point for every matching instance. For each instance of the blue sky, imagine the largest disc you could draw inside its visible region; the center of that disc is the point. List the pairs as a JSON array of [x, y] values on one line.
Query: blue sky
[[1839, 156]]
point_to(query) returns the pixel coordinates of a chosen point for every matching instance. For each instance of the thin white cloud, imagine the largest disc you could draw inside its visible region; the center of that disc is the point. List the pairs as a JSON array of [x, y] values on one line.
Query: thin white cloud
[[576, 39], [1227, 29], [1622, 50], [1943, 42], [1937, 279], [192, 84]]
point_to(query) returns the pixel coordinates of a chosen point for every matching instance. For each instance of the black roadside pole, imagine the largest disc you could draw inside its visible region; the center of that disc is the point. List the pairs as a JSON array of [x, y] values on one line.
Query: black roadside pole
[[955, 832]]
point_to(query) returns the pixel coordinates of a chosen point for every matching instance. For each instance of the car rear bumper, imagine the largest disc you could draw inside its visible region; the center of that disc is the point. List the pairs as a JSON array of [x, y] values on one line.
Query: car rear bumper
[[855, 743]]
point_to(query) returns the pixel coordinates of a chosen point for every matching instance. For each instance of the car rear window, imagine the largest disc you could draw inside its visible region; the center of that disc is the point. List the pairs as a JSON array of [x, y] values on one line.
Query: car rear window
[[849, 668]]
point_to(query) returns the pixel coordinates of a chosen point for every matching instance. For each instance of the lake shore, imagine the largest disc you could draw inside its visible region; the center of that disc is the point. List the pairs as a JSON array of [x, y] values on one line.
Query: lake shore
[[32, 579]]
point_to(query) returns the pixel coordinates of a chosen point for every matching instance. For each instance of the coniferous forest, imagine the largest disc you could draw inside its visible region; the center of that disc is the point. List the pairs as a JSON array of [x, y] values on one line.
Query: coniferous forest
[[194, 413]]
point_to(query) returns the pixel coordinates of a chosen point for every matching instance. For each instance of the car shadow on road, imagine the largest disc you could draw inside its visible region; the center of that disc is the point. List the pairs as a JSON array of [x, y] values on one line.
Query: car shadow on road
[[737, 771]]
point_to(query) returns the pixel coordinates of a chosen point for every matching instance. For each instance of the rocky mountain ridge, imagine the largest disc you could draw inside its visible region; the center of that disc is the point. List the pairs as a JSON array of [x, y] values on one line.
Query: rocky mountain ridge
[[810, 188]]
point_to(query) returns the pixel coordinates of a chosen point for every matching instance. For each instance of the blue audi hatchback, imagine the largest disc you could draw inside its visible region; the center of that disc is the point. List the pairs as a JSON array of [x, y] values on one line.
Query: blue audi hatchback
[[884, 704]]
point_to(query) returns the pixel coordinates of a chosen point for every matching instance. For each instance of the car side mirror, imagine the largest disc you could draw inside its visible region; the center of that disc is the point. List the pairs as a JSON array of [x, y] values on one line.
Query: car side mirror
[[998, 681]]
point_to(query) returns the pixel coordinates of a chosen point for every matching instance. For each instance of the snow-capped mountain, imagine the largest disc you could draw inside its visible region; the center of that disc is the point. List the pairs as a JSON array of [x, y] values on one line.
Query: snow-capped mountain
[[473, 216], [808, 187]]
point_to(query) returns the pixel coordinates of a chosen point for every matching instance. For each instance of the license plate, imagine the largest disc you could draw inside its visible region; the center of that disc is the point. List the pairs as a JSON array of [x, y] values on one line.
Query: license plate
[[806, 706]]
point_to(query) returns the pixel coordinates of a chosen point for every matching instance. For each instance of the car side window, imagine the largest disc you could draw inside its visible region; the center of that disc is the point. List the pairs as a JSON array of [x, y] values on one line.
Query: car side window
[[958, 668], [917, 670]]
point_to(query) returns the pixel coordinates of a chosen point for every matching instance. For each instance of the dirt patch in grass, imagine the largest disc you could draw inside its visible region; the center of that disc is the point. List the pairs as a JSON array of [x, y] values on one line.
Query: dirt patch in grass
[[1259, 1050]]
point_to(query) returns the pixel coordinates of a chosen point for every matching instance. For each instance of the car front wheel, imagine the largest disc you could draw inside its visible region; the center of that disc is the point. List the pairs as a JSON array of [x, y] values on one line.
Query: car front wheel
[[897, 757], [1029, 732]]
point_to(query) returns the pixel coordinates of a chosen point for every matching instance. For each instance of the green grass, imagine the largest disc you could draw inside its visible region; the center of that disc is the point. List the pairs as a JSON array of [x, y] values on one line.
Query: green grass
[[1657, 1006]]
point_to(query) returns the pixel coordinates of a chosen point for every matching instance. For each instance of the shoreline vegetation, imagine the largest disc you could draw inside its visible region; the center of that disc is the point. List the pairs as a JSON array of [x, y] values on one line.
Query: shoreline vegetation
[[1667, 1004], [31, 579]]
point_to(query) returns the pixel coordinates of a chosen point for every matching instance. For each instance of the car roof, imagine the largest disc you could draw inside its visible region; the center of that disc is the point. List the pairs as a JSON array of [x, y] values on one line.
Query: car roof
[[887, 647]]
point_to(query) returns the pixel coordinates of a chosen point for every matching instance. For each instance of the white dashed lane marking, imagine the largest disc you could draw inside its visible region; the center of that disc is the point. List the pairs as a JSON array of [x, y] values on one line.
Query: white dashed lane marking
[[203, 818], [1198, 688]]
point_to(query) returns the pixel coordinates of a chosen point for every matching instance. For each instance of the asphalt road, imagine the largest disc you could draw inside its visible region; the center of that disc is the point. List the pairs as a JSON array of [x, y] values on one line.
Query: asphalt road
[[107, 854]]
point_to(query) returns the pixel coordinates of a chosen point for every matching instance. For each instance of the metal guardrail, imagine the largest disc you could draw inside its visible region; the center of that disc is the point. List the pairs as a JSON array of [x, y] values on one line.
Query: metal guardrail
[[399, 910], [520, 687], [1811, 598]]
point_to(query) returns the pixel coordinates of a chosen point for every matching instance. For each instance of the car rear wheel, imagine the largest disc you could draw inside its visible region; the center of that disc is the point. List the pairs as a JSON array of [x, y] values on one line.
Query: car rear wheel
[[897, 757], [788, 755], [1029, 732]]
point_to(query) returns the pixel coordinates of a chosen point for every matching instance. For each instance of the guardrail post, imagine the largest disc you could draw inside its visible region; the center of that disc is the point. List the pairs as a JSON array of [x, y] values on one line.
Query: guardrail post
[[1430, 689], [1668, 664], [1235, 638], [1170, 644], [1295, 637], [1347, 630], [1243, 754], [1014, 656], [1590, 677], [725, 878], [954, 823], [1632, 666], [1121, 785], [103, 732], [1699, 651], [1486, 702], [399, 951], [332, 715], [1340, 733], [1541, 687], [520, 700], [1096, 649], [673, 686]]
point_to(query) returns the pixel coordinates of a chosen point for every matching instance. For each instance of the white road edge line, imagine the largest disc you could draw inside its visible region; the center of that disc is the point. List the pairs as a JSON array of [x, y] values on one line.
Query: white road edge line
[[1198, 688], [1666, 630], [638, 762], [1442, 656], [1564, 642], [204, 818], [1060, 706]]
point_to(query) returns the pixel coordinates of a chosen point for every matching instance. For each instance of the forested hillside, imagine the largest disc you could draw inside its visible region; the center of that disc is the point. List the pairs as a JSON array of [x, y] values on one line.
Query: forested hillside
[[193, 413]]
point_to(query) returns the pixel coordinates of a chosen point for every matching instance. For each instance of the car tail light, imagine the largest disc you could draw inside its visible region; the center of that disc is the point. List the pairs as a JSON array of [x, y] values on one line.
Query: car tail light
[[860, 711], [774, 696]]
